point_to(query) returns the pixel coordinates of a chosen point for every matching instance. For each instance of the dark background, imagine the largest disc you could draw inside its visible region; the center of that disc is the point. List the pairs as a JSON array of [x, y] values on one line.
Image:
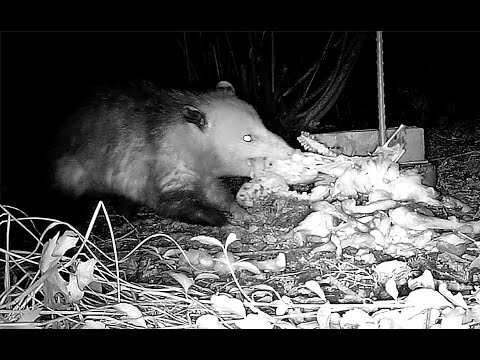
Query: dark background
[[44, 75]]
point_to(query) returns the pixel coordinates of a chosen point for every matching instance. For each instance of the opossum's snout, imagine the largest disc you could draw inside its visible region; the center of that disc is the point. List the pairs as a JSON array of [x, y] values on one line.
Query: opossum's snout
[[287, 153], [281, 151]]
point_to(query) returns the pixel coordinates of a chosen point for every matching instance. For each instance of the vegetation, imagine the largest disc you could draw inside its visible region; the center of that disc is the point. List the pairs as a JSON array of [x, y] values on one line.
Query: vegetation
[[292, 89]]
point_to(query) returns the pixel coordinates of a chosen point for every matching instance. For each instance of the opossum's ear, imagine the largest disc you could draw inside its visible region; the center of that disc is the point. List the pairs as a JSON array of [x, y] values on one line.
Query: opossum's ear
[[226, 87], [195, 116]]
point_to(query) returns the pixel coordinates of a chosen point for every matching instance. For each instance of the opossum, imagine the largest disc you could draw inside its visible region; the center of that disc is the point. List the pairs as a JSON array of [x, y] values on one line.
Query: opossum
[[165, 149]]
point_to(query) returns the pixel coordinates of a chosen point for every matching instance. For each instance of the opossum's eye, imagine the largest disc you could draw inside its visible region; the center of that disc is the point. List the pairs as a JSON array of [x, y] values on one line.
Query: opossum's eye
[[195, 116], [247, 138]]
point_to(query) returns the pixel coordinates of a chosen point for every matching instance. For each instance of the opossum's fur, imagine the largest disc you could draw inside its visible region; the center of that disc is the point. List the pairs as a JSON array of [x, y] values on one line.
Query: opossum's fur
[[164, 149]]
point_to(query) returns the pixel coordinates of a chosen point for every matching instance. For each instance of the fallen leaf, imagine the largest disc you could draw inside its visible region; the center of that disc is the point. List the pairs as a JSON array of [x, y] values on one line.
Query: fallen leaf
[[74, 292], [230, 239], [199, 259], [391, 288], [96, 286], [171, 253], [277, 264], [54, 284], [84, 272], [308, 325], [208, 240], [254, 321], [134, 316], [208, 321], [29, 316], [427, 298], [456, 299], [315, 287], [223, 303], [285, 325], [424, 281], [281, 307], [452, 318], [323, 316], [355, 318], [221, 262], [394, 269], [245, 265], [55, 248], [475, 263], [67, 241], [183, 280], [209, 276], [91, 324], [48, 260], [419, 317], [390, 319], [265, 287], [473, 313]]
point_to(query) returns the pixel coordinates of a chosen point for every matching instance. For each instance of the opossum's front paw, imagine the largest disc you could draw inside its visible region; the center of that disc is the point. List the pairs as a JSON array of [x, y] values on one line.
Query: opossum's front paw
[[211, 217], [239, 213]]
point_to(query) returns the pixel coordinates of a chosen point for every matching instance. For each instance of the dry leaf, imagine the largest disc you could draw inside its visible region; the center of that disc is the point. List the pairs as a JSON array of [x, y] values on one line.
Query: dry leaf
[[221, 262], [74, 292], [53, 284], [452, 318], [265, 287], [395, 269], [390, 319], [315, 287], [209, 276], [427, 298], [277, 264], [285, 325], [323, 316], [199, 259], [424, 281], [391, 288], [254, 321], [84, 273], [355, 318], [172, 253], [230, 239], [208, 321], [208, 240], [48, 260], [91, 324], [55, 248], [280, 307], [29, 316], [134, 316], [223, 303], [245, 265], [419, 317], [473, 313], [67, 241], [96, 286], [475, 263], [456, 299], [183, 280]]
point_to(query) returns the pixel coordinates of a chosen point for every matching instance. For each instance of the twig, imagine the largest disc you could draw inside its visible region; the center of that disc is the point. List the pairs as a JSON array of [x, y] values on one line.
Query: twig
[[443, 158]]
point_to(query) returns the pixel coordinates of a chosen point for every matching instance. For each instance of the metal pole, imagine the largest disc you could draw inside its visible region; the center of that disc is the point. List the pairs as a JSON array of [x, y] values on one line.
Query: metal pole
[[382, 130]]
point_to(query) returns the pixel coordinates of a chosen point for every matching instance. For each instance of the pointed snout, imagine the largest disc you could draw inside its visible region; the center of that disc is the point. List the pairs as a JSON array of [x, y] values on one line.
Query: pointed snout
[[283, 152]]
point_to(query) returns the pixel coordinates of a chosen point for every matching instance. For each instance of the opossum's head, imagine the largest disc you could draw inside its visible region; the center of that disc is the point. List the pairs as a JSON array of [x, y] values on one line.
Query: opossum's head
[[234, 132]]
